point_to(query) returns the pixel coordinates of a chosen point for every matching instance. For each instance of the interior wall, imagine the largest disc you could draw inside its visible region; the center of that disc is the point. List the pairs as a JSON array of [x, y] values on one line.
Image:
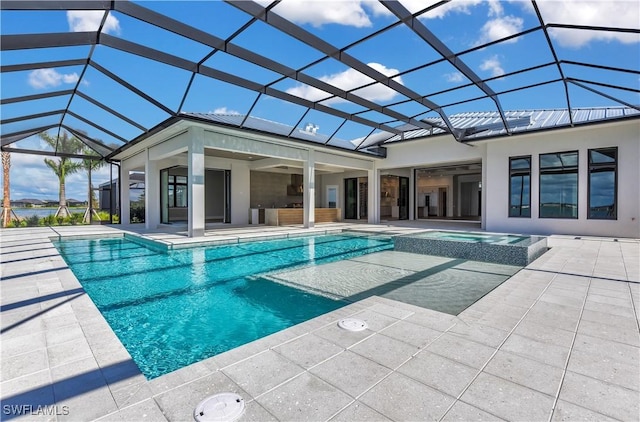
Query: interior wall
[[269, 190], [624, 135], [336, 179], [430, 186], [468, 190]]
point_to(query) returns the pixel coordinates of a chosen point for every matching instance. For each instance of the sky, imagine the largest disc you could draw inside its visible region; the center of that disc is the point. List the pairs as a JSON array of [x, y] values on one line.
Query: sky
[[460, 24]]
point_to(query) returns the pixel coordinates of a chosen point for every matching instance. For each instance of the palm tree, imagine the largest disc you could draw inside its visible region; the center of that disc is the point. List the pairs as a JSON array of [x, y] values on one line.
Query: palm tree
[[63, 166], [6, 201], [89, 164]]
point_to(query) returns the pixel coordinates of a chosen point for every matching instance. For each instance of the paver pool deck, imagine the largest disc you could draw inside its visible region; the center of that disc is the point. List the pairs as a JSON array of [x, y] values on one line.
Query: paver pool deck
[[559, 340]]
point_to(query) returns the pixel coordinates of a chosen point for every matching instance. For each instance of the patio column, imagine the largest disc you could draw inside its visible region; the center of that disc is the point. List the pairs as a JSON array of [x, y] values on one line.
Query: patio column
[[195, 162], [373, 194], [125, 201], [151, 193], [309, 195]]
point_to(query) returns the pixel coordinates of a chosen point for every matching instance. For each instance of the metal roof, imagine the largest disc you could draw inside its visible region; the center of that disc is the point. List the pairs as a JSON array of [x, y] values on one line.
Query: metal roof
[[484, 125], [110, 87]]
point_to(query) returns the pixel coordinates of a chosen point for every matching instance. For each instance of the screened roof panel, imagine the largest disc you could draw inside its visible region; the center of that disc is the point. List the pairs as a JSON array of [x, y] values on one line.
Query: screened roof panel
[[213, 96], [43, 105], [288, 113], [34, 143], [163, 82], [480, 104], [242, 68], [435, 78], [24, 125], [509, 56], [547, 96], [45, 21], [318, 122], [350, 130], [151, 36], [114, 95], [41, 55], [586, 93], [37, 81], [214, 17], [458, 95], [267, 41], [354, 19], [92, 132], [104, 118], [410, 50], [524, 78], [457, 25], [392, 66]]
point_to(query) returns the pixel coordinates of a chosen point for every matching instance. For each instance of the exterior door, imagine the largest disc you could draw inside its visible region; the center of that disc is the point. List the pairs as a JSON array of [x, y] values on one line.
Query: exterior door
[[403, 198], [351, 199]]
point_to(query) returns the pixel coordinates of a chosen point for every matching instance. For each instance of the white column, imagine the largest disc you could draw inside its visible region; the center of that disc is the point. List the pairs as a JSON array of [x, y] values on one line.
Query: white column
[[373, 194], [309, 195], [151, 193], [412, 194], [125, 201], [483, 193], [195, 162]]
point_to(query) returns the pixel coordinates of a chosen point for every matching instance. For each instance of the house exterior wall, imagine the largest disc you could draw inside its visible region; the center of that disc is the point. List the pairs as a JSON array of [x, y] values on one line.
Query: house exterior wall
[[624, 135], [439, 151]]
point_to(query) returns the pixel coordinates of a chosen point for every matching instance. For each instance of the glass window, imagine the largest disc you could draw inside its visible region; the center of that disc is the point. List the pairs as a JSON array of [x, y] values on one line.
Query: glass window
[[520, 186], [177, 188], [559, 185], [603, 183]]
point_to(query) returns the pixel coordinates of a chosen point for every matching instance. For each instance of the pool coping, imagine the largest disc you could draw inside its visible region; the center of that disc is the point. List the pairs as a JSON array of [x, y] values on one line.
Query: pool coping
[[125, 392]]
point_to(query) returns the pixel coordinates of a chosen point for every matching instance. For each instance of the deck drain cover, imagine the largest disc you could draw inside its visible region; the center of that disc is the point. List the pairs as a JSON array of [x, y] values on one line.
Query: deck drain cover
[[219, 407], [352, 324]]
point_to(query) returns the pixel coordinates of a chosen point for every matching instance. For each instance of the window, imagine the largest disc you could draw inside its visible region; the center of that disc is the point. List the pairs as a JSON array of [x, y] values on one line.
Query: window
[[177, 191], [559, 185], [520, 186], [603, 183]]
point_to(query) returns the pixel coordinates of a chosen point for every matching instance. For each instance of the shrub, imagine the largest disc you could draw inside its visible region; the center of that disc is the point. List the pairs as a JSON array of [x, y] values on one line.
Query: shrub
[[49, 220], [76, 218], [32, 221], [137, 214]]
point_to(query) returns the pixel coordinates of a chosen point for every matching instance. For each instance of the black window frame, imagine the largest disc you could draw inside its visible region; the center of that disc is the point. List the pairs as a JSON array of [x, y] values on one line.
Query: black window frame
[[594, 168], [563, 169], [172, 181], [519, 172]]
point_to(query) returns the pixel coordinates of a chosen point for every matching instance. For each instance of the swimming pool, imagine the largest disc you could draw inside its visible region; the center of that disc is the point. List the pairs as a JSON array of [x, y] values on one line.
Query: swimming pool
[[176, 308]]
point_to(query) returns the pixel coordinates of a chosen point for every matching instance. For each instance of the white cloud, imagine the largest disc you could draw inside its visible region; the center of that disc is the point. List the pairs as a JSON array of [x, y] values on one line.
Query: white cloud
[[500, 27], [224, 110], [89, 20], [31, 178], [492, 65], [348, 80], [614, 13], [414, 6], [454, 77], [45, 78], [318, 13]]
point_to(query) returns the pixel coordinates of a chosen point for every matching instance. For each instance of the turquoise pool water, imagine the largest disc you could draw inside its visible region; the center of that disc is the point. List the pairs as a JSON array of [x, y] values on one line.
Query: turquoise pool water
[[176, 308], [496, 239]]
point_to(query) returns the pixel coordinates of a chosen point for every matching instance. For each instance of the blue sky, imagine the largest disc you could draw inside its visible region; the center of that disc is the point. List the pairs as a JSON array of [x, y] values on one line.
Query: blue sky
[[460, 24]]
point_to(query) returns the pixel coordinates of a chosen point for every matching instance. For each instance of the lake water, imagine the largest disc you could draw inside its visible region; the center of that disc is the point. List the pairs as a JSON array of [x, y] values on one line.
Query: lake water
[[41, 212]]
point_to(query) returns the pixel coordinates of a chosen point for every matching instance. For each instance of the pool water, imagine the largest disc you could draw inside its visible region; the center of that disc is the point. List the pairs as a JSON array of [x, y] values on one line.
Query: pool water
[[176, 308], [475, 237]]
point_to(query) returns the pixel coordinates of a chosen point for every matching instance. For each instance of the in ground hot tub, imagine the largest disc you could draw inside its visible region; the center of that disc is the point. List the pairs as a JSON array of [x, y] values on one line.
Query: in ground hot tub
[[488, 247]]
